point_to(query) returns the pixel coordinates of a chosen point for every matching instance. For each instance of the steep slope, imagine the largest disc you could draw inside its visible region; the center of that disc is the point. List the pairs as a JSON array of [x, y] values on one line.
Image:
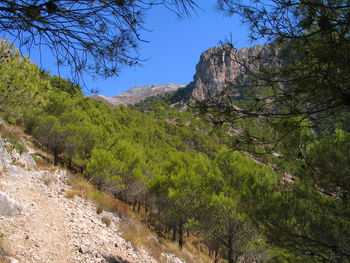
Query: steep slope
[[49, 226], [138, 93]]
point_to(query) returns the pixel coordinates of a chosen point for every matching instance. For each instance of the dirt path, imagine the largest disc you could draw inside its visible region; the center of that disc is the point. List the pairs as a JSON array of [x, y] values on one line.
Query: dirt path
[[39, 233]]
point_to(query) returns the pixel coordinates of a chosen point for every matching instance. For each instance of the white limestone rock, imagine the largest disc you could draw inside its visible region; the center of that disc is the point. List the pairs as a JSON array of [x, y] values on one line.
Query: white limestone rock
[[8, 205]]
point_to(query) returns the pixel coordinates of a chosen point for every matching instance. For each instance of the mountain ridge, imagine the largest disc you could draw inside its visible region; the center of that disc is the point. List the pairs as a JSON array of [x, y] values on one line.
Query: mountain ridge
[[138, 93]]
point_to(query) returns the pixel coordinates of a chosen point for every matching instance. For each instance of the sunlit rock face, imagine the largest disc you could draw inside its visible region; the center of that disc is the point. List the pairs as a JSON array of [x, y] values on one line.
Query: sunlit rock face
[[219, 66], [138, 93]]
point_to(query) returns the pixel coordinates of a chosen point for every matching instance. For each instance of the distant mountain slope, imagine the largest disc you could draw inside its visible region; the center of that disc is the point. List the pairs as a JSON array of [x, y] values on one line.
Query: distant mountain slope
[[138, 93]]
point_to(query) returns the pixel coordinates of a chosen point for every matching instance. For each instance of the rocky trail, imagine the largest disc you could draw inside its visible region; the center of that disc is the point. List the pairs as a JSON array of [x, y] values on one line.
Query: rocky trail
[[39, 223]]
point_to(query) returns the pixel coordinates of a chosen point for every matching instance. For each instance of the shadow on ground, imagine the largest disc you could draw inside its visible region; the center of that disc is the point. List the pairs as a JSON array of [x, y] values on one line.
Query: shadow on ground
[[117, 259]]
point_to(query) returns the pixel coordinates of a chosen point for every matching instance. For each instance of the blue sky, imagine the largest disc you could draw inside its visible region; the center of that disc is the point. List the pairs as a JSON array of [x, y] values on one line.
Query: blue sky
[[173, 50]]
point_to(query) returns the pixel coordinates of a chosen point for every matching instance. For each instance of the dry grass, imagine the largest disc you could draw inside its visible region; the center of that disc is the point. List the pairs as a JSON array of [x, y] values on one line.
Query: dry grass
[[80, 187], [70, 193], [193, 251], [106, 220], [47, 180], [141, 237], [104, 201], [135, 232], [138, 234], [42, 160], [121, 209], [42, 164], [108, 202], [99, 209], [155, 249]]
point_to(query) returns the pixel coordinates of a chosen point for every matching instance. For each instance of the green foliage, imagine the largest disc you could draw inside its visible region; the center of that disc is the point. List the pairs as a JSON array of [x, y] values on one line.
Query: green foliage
[[102, 166], [295, 105], [21, 88], [329, 159]]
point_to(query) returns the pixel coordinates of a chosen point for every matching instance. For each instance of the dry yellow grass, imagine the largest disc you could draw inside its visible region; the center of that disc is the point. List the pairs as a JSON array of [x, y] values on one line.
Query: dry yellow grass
[[141, 237], [135, 232], [99, 209], [155, 249], [193, 251], [81, 187], [106, 220], [104, 201]]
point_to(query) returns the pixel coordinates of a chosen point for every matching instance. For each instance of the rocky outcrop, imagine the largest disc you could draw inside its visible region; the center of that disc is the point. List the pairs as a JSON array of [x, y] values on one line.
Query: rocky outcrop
[[219, 66], [138, 93], [8, 205], [9, 157], [5, 157]]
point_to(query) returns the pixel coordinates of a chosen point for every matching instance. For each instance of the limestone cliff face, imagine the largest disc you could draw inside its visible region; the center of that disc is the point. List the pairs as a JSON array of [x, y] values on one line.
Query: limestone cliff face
[[138, 93], [219, 66]]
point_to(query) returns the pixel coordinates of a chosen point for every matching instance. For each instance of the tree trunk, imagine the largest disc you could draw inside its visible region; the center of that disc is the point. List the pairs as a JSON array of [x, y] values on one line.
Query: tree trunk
[[146, 211], [167, 228], [230, 257], [174, 233], [69, 164], [150, 216], [55, 156], [181, 240], [138, 207]]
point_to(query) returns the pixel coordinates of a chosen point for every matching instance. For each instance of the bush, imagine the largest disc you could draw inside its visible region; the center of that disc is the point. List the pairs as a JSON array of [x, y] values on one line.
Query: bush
[[99, 209]]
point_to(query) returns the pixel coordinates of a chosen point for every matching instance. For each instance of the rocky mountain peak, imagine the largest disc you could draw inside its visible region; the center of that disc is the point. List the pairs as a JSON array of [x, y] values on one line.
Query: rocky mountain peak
[[218, 66], [138, 93]]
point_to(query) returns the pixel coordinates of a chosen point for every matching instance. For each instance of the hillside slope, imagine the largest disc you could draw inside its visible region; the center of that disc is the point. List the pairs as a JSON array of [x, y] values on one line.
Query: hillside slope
[[52, 227]]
